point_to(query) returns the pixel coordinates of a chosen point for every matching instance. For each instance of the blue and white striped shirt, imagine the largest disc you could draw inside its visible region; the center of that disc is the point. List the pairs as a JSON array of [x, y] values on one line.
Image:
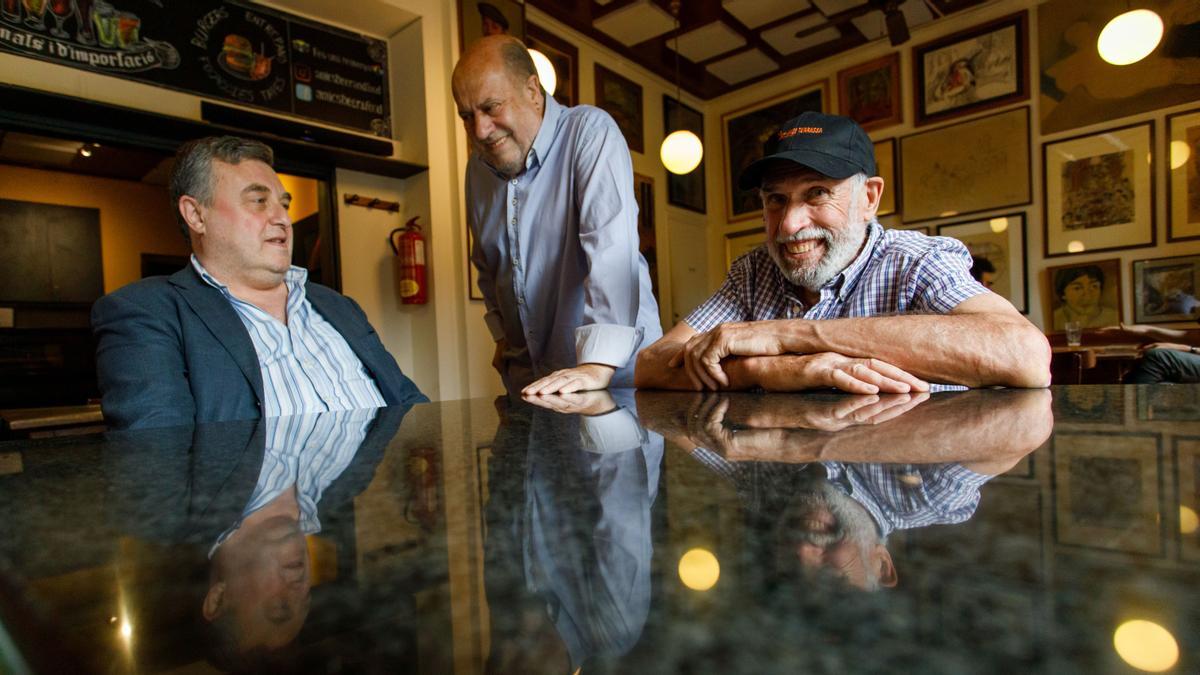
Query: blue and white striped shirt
[[307, 366], [897, 272]]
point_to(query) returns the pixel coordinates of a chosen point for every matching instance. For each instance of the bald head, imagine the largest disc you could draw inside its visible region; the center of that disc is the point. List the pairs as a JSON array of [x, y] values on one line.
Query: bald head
[[500, 101]]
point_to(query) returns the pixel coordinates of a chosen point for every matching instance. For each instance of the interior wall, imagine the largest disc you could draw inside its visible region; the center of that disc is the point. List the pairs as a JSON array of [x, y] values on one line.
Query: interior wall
[[135, 218]]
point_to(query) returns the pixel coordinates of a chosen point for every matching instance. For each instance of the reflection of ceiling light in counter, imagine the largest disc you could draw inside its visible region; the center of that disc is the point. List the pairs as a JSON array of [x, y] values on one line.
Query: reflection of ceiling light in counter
[[545, 71], [699, 569], [1146, 645], [85, 151], [1130, 37]]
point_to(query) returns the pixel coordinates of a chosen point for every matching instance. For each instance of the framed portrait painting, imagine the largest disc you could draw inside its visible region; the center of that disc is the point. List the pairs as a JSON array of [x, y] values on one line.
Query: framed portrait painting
[[1166, 289], [744, 132], [563, 56], [869, 93], [885, 166], [1099, 191], [972, 166], [686, 191], [1183, 183], [972, 70], [738, 244], [1000, 240], [622, 98], [1089, 293], [477, 18], [1108, 491]]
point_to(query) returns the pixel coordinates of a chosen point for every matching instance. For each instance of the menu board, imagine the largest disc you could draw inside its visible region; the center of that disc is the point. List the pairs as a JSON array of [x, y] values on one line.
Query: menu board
[[238, 52]]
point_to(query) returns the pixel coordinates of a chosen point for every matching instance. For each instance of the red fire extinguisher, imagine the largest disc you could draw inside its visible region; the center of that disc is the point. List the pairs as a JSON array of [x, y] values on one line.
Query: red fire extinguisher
[[411, 251]]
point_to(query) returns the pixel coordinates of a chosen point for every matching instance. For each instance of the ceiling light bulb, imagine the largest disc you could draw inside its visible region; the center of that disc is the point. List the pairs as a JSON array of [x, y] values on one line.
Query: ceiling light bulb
[[681, 152], [1130, 37], [545, 70]]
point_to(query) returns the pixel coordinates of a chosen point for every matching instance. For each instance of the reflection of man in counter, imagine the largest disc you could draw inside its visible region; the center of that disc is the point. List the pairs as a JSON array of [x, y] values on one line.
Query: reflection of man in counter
[[1080, 290], [834, 300], [550, 202], [239, 333]]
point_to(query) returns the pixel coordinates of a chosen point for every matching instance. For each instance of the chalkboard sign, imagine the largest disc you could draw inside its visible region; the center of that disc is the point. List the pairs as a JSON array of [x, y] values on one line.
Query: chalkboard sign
[[237, 52], [49, 253]]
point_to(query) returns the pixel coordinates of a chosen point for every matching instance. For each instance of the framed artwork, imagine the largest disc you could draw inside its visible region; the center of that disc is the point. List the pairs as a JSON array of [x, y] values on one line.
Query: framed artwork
[[1078, 88], [686, 191], [1089, 405], [563, 56], [1187, 467], [973, 166], [643, 192], [738, 244], [869, 93], [1089, 293], [1108, 491], [622, 98], [885, 166], [1183, 183], [1168, 404], [494, 17], [744, 132], [979, 68], [1165, 289], [1001, 241], [1099, 191]]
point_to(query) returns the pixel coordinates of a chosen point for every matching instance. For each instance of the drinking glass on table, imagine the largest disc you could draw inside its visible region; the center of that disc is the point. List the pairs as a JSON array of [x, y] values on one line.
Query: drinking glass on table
[[1074, 333]]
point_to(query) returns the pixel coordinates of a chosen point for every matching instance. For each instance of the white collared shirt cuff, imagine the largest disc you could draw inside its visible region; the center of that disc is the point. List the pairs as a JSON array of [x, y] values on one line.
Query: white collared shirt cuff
[[606, 343], [614, 431], [495, 325]]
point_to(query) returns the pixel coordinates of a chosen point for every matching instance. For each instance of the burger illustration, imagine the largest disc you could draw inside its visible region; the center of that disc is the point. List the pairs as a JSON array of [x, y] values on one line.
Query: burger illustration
[[239, 59]]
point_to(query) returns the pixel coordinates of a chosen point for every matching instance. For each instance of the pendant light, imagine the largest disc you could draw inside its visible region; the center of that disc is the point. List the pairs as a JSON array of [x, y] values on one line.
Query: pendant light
[[1130, 37], [681, 150], [545, 70]]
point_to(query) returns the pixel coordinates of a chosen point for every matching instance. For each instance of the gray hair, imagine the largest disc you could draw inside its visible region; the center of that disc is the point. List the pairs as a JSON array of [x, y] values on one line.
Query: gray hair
[[517, 61], [192, 173]]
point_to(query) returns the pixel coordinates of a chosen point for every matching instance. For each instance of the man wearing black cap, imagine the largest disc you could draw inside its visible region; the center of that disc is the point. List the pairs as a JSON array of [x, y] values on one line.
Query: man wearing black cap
[[834, 300]]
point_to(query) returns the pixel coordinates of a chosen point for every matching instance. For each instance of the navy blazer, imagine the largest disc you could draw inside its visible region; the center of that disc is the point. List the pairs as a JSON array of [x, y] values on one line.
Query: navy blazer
[[173, 351]]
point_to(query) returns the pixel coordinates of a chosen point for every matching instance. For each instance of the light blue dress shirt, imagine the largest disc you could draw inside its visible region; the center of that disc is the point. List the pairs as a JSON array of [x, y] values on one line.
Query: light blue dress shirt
[[557, 251]]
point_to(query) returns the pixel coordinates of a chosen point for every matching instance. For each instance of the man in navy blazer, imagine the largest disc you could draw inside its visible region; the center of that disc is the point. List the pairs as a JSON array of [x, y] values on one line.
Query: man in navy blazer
[[239, 333]]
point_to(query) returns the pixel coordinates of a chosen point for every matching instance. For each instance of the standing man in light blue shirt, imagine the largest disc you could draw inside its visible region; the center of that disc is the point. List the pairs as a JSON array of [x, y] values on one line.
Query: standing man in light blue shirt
[[550, 204]]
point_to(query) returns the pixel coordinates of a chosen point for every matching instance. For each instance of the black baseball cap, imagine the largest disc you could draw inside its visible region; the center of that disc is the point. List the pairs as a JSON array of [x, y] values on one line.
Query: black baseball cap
[[829, 144]]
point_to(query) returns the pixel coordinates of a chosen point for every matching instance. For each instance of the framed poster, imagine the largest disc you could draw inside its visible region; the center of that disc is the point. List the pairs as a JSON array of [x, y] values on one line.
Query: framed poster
[[563, 56], [1001, 241], [622, 98], [738, 244], [1089, 293], [979, 68], [869, 93], [1183, 183], [1108, 491], [1099, 191], [744, 132], [1166, 289], [686, 191], [1078, 88], [477, 19], [1168, 404], [885, 166], [973, 166], [643, 192]]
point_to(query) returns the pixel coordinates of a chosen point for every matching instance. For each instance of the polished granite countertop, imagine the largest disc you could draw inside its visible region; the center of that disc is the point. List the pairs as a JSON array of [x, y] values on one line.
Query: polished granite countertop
[[1031, 531]]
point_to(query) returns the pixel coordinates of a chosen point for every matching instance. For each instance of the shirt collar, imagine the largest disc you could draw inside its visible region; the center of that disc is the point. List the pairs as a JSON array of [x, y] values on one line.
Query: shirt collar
[[545, 134], [295, 277]]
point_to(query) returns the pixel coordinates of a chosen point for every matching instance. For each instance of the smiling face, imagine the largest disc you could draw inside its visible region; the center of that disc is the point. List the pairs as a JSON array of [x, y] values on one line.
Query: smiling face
[[244, 237], [815, 224], [500, 109]]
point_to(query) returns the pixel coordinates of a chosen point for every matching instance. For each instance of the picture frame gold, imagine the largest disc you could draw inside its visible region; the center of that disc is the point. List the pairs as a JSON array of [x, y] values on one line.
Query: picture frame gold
[[869, 93], [1183, 176], [1001, 240], [1099, 191]]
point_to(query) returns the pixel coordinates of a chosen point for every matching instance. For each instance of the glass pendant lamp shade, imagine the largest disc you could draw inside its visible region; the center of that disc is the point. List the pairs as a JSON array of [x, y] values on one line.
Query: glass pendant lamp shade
[[681, 152], [1130, 37], [545, 71]]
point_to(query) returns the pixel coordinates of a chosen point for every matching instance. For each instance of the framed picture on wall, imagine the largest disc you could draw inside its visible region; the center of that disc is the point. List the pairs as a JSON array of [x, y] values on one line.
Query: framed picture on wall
[[1183, 184], [643, 192], [563, 55], [477, 18], [869, 93], [1001, 241], [686, 191], [885, 166], [1089, 293], [972, 70], [738, 244], [1166, 289], [1099, 191], [1107, 491], [978, 165], [744, 132], [622, 98]]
